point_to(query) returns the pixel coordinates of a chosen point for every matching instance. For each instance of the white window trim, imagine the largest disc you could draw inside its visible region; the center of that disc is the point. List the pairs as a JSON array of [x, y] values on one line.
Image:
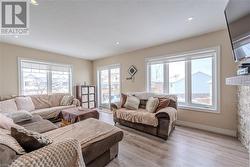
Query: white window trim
[[44, 62], [185, 55], [107, 67]]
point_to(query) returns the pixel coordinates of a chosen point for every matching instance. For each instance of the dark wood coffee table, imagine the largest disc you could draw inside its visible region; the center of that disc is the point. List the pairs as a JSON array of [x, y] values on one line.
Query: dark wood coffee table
[[73, 115]]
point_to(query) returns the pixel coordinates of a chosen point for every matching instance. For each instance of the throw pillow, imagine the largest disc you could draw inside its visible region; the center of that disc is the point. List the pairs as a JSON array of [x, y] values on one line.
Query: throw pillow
[[123, 99], [19, 116], [67, 100], [24, 103], [40, 101], [152, 104], [163, 103], [6, 122], [8, 106], [132, 103], [29, 140]]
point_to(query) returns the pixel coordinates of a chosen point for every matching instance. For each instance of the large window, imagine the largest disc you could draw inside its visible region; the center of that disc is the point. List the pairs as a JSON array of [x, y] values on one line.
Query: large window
[[44, 78], [193, 77]]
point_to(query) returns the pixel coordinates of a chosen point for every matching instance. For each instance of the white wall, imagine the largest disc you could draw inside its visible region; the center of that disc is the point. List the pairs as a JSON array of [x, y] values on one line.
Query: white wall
[[226, 119], [82, 69]]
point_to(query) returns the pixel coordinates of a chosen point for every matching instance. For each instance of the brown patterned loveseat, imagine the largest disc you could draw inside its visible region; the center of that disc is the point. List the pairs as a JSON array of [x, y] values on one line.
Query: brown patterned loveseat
[[160, 124]]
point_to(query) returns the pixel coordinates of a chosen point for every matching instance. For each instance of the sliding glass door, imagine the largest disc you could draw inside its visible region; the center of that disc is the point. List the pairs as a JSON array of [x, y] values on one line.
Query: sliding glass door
[[109, 85]]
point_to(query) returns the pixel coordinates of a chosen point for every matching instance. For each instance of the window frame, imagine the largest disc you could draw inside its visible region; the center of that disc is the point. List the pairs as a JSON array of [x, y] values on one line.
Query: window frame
[[188, 57], [49, 75]]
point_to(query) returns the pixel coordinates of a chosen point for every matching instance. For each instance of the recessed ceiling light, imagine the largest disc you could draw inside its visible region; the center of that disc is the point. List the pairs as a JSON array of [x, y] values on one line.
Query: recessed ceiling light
[[190, 18], [34, 2], [117, 43], [16, 36]]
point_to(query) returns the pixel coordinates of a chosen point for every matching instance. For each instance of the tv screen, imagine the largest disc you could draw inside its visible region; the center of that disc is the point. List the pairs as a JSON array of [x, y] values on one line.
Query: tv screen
[[237, 15]]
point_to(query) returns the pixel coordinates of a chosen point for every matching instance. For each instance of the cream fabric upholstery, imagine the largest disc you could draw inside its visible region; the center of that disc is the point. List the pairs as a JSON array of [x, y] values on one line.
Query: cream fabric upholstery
[[41, 101], [62, 154], [132, 103], [48, 113], [8, 106], [152, 104], [137, 116], [24, 103], [55, 99]]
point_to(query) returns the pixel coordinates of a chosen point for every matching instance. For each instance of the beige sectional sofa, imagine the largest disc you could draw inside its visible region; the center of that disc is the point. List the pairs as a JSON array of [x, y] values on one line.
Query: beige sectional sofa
[[47, 106], [98, 140]]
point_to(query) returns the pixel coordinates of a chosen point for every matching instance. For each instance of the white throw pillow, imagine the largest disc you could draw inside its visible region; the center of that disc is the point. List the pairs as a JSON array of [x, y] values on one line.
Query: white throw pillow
[[25, 103], [152, 104], [67, 100], [6, 123], [8, 106], [132, 103], [19, 116]]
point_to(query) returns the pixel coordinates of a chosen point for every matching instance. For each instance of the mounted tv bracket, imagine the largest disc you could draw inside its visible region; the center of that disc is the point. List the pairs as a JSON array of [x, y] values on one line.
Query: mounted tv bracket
[[131, 71]]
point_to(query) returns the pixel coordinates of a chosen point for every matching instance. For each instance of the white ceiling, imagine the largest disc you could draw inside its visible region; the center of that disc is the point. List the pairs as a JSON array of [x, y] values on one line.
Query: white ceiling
[[90, 28]]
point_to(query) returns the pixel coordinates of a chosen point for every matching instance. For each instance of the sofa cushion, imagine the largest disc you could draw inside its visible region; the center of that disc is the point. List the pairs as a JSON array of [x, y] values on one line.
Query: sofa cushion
[[8, 106], [41, 101], [55, 99], [146, 95], [137, 116], [163, 103], [152, 104], [24, 103], [6, 122], [132, 103], [48, 113], [40, 126], [29, 140], [19, 116], [35, 118], [66, 100]]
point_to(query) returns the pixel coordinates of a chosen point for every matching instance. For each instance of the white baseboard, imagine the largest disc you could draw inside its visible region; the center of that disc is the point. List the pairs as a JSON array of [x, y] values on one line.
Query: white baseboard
[[207, 128]]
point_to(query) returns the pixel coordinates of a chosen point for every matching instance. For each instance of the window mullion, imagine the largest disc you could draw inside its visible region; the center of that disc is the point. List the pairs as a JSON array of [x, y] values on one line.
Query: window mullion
[[166, 78], [49, 80], [188, 82], [149, 78]]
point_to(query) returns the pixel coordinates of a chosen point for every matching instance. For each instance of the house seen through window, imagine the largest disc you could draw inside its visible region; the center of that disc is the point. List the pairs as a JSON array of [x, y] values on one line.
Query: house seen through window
[[43, 78], [192, 77]]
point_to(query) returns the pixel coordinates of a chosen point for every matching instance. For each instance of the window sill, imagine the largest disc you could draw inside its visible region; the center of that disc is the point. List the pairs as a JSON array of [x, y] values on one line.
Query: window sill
[[199, 109]]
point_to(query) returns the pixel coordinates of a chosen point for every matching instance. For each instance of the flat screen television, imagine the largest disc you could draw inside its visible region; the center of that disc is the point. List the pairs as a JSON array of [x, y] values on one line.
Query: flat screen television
[[237, 15]]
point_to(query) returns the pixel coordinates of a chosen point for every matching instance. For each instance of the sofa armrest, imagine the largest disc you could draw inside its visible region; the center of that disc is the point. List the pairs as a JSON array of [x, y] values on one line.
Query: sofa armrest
[[76, 102], [115, 106], [162, 115], [168, 113], [166, 120]]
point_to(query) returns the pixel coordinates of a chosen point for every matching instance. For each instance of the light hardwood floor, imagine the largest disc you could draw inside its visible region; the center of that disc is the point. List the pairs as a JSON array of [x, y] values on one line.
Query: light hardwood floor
[[186, 147]]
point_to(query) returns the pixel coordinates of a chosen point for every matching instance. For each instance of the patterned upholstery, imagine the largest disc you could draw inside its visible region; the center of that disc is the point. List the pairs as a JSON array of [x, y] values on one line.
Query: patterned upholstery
[[62, 154]]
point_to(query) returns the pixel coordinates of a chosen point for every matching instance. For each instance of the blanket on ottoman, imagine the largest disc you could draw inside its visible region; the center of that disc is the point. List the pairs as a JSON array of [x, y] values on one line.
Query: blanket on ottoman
[[86, 132]]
